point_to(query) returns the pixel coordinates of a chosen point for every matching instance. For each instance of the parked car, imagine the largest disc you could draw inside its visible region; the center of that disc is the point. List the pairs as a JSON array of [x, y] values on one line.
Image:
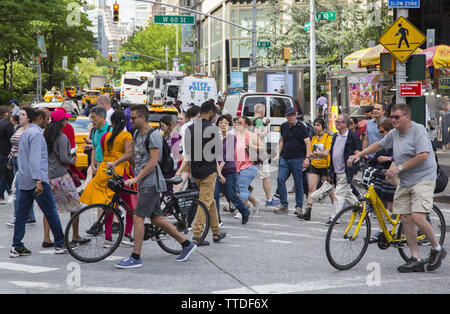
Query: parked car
[[81, 127], [243, 104], [92, 95], [53, 97]]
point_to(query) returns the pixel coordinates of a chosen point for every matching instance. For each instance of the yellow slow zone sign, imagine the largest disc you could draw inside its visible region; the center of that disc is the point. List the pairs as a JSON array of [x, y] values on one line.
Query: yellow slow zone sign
[[402, 38]]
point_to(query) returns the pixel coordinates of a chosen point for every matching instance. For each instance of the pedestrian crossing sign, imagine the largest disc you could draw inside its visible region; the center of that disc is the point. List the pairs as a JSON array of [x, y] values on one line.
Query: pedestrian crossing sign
[[402, 38]]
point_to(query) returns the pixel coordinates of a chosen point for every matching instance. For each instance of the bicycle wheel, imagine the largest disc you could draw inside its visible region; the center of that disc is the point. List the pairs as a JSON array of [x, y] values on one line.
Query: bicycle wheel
[[91, 225], [342, 252], [437, 221], [184, 222]]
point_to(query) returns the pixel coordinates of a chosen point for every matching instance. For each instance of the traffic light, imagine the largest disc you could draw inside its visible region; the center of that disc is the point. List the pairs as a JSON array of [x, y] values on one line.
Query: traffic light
[[116, 13], [110, 57]]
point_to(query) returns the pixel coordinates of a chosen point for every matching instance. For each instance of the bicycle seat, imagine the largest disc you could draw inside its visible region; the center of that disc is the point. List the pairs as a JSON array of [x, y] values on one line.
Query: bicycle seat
[[174, 180]]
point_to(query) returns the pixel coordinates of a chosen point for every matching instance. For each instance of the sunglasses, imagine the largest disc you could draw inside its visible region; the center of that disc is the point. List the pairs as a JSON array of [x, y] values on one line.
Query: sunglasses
[[395, 117]]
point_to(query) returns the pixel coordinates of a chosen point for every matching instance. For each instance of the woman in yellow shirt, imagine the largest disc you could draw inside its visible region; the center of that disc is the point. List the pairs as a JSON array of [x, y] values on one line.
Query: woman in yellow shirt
[[320, 160]]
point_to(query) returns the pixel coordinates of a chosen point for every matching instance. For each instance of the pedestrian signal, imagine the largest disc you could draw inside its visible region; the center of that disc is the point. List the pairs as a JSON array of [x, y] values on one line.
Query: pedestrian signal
[[116, 13]]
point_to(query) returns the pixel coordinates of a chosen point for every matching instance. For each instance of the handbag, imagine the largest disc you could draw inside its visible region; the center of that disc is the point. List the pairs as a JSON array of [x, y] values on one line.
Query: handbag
[[75, 177], [441, 180]]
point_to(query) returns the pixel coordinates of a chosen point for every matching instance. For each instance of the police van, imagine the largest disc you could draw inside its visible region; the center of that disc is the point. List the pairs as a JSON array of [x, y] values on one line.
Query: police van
[[196, 89]]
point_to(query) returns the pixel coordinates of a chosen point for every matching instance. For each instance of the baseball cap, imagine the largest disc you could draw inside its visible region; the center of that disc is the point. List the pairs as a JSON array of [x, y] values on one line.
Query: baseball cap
[[290, 110], [14, 101], [59, 115]]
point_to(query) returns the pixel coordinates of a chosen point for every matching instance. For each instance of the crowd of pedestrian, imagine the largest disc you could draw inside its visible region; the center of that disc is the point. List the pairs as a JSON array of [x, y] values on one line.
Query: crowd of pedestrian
[[218, 154]]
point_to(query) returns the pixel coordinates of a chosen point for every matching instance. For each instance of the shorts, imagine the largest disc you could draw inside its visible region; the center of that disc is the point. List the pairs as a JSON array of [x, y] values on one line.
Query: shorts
[[149, 203], [322, 172], [264, 170], [416, 198]]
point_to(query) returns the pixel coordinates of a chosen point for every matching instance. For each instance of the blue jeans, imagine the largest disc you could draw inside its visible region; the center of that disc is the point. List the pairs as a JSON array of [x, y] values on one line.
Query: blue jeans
[[48, 207], [230, 191], [16, 198], [285, 169], [246, 177]]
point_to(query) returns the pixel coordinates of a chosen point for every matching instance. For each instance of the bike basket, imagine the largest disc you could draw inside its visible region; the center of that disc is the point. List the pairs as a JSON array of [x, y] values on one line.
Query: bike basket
[[185, 198]]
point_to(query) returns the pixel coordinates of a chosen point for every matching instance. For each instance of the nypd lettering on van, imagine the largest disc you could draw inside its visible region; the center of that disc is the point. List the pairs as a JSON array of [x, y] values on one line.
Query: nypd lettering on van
[[200, 86]]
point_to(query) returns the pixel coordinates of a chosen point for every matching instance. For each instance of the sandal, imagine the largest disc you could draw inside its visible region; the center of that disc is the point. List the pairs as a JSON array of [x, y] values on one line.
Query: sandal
[[203, 243], [218, 237]]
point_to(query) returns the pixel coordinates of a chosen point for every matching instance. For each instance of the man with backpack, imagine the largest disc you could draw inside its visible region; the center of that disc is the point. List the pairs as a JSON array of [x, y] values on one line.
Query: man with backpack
[[148, 149]]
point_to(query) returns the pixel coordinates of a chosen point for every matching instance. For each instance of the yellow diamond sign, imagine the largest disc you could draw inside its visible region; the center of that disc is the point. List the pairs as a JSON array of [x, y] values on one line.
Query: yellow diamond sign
[[402, 38]]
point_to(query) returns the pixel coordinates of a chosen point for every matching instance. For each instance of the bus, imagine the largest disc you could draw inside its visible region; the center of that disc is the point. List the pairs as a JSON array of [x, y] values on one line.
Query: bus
[[160, 79], [134, 88]]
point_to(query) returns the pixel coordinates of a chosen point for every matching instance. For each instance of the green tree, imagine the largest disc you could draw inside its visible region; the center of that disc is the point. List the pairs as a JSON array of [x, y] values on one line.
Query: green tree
[[152, 41]]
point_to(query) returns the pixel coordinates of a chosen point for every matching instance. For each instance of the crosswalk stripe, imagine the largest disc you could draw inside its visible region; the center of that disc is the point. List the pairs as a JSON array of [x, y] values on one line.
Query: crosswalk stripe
[[26, 268]]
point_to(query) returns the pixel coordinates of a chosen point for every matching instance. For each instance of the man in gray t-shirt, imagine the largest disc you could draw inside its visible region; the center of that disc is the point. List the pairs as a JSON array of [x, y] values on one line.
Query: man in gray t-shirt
[[142, 157], [416, 166], [408, 145], [150, 180]]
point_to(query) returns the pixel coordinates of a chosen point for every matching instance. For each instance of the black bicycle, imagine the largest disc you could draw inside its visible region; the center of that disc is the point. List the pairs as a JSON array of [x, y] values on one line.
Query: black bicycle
[[181, 209]]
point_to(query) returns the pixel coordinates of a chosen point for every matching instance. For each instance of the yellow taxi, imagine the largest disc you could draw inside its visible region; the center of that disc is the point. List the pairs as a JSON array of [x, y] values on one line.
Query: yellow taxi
[[81, 127], [159, 111], [106, 91], [70, 91], [53, 96], [92, 95]]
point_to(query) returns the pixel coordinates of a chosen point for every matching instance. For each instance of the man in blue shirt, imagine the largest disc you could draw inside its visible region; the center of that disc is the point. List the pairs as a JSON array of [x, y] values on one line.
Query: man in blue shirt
[[373, 136], [33, 184], [98, 116]]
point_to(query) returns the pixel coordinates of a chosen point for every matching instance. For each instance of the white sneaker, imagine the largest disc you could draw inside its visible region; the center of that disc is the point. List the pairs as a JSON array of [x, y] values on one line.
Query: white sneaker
[[238, 216], [11, 222], [107, 244], [11, 199], [256, 208]]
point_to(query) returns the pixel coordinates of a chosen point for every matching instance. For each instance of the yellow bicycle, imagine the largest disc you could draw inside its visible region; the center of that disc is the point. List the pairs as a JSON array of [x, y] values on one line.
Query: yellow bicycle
[[349, 233]]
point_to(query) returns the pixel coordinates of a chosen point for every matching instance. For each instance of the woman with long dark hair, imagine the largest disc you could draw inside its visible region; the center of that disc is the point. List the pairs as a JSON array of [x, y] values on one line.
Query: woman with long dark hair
[[118, 152], [63, 188]]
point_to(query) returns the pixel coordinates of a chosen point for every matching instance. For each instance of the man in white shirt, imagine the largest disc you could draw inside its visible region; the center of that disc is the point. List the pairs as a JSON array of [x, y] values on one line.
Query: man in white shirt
[[105, 102]]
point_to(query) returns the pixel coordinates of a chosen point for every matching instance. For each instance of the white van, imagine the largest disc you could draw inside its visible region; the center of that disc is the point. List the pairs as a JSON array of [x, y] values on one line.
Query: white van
[[243, 104], [134, 88], [197, 90], [170, 91], [160, 79]]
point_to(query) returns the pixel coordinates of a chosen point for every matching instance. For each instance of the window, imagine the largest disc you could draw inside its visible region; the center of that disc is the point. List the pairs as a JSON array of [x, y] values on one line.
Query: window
[[172, 91], [278, 106], [249, 104], [156, 117], [134, 82]]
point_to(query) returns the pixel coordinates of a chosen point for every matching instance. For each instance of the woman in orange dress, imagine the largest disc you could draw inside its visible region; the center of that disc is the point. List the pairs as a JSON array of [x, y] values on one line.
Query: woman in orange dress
[[117, 153]]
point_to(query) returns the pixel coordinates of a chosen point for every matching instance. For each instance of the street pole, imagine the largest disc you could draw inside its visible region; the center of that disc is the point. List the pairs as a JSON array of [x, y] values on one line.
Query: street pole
[[286, 79], [400, 73], [253, 65], [313, 79], [167, 60]]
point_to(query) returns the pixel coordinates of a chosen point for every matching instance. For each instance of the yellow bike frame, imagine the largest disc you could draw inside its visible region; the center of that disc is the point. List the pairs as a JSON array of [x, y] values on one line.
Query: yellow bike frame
[[381, 213]]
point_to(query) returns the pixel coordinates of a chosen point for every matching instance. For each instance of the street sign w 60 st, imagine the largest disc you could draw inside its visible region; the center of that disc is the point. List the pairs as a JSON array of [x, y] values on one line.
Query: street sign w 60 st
[[174, 19]]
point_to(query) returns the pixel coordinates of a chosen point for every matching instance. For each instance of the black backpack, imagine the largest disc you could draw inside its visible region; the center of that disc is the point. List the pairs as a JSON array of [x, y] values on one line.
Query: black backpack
[[167, 164]]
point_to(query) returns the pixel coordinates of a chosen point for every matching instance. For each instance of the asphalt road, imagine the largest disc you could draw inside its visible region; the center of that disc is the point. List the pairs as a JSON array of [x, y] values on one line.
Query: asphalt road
[[272, 254]]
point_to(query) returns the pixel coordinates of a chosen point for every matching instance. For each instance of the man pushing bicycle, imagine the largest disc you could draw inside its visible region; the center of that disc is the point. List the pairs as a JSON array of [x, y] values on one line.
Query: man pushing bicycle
[[415, 166]]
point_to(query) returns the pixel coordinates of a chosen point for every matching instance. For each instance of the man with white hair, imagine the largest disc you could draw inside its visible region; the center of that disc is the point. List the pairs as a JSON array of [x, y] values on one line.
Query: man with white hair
[[105, 102], [344, 144]]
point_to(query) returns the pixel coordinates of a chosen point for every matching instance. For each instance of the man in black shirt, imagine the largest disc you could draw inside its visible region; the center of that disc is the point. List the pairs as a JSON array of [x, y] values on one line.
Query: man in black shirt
[[6, 131], [292, 150], [202, 144]]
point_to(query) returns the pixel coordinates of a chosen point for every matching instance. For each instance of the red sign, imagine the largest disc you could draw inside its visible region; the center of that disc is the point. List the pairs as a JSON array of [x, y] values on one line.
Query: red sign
[[411, 89]]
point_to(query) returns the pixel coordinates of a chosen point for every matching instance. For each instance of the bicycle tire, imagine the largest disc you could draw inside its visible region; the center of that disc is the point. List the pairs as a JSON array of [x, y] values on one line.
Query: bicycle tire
[[337, 247], [437, 221], [183, 224], [95, 250]]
